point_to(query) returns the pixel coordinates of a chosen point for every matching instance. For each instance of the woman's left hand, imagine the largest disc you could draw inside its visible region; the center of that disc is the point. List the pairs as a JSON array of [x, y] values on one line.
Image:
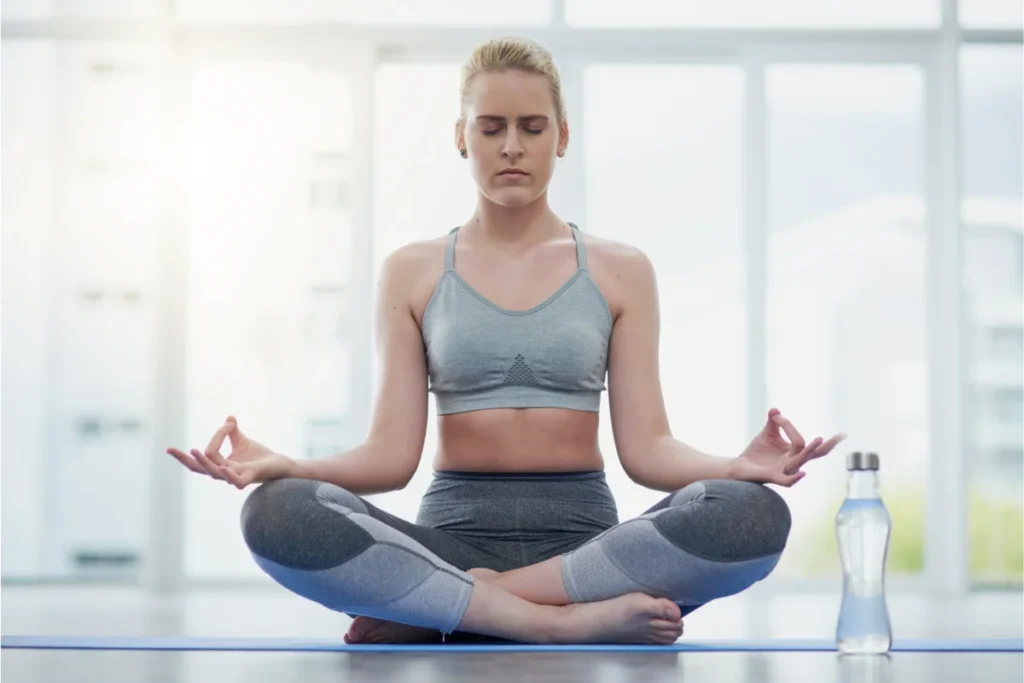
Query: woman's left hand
[[771, 459]]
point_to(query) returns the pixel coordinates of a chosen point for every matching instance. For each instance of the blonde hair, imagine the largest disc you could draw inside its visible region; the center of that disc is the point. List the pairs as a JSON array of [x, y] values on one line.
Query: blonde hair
[[511, 53]]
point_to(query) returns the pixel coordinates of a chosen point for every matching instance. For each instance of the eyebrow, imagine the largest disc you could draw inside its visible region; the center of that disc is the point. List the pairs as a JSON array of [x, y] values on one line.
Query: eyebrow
[[539, 118]]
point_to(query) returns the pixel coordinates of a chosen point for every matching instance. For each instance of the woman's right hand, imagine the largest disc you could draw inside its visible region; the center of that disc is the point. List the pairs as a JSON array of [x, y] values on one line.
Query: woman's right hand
[[250, 462]]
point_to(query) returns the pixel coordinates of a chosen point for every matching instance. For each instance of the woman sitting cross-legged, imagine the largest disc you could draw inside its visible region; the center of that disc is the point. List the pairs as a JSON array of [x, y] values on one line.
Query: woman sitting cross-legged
[[514, 320]]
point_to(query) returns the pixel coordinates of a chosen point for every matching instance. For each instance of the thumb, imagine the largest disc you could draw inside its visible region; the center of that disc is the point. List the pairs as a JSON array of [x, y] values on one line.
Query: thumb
[[771, 426], [235, 435]]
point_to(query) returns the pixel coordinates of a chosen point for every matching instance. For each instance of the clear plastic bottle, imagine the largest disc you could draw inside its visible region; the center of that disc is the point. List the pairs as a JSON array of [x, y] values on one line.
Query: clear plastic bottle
[[862, 530]]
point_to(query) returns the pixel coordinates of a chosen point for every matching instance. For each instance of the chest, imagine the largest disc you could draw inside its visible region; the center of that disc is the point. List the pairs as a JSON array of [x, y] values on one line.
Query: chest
[[518, 284]]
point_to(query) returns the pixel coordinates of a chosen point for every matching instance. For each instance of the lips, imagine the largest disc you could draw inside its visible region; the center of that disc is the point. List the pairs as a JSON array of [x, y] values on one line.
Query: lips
[[514, 174]]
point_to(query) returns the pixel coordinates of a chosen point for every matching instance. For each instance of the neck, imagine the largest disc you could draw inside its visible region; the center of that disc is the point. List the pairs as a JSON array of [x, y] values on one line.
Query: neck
[[516, 226]]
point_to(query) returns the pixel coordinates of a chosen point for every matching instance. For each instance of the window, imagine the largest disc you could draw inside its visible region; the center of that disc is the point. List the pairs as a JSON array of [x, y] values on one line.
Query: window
[[670, 184], [82, 226], [990, 13], [846, 330], [992, 216], [422, 12], [268, 172], [30, 115], [752, 13], [35, 10]]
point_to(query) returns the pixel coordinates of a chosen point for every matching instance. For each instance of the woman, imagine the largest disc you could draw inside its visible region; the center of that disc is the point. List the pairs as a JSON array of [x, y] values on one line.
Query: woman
[[512, 321]]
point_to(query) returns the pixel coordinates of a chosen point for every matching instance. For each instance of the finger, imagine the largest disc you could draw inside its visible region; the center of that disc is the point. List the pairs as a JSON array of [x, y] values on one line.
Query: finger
[[826, 448], [788, 480], [232, 477], [772, 427], [798, 460], [795, 438], [235, 434], [239, 479], [201, 458], [187, 461], [213, 448]]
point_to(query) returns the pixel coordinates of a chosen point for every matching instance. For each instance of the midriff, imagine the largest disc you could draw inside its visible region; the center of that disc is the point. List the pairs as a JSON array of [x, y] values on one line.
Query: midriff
[[509, 440]]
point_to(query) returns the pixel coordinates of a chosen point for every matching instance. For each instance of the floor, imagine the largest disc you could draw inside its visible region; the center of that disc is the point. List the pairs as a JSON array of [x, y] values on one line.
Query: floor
[[40, 610]]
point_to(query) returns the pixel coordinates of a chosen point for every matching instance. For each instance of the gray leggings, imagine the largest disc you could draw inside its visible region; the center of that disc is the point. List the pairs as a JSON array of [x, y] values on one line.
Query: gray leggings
[[709, 540]]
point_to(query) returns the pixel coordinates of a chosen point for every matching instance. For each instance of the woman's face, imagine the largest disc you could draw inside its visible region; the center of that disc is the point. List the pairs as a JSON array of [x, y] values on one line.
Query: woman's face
[[511, 135]]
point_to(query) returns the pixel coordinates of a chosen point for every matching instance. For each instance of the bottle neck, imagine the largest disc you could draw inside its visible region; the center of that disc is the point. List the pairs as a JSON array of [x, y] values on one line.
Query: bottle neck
[[863, 484]]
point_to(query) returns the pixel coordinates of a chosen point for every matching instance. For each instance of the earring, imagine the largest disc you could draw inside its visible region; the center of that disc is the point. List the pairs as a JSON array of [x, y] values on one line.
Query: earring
[[463, 153]]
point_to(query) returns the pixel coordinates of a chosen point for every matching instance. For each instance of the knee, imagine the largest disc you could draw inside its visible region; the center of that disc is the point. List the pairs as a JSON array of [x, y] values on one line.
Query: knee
[[301, 523], [760, 508], [738, 520], [271, 510]]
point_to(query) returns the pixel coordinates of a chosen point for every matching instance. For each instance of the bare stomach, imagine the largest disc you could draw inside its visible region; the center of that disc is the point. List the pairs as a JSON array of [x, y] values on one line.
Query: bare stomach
[[518, 440]]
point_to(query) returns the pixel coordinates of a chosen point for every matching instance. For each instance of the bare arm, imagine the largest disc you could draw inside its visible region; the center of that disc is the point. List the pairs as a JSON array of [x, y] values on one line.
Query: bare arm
[[388, 458], [649, 454]]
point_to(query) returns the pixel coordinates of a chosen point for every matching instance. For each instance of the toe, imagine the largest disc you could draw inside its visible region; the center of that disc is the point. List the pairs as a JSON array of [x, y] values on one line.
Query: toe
[[670, 610]]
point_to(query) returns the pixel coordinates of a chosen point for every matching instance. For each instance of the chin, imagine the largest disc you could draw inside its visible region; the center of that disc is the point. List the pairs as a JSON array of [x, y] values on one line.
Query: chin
[[513, 197]]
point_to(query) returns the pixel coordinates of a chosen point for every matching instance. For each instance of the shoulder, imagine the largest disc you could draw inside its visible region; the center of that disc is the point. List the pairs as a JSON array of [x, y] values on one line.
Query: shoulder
[[620, 257], [622, 271], [412, 261], [412, 271]]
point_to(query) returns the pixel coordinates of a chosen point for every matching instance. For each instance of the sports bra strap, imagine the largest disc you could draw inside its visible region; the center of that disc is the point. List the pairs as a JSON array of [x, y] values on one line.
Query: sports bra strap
[[449, 252], [581, 251]]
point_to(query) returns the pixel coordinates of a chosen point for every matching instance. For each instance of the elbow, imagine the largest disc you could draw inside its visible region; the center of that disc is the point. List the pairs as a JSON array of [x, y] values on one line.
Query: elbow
[[640, 462], [641, 477], [398, 463], [636, 466], [403, 479]]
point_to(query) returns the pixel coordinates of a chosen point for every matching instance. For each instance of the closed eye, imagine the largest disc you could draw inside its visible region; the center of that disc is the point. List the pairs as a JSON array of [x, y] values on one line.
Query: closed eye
[[531, 131]]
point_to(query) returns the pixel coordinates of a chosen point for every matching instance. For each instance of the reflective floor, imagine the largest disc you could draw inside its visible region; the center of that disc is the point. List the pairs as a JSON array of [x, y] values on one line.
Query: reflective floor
[[274, 613]]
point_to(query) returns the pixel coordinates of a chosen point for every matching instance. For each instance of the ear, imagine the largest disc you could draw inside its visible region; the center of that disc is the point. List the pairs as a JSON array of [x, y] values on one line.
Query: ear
[[563, 136], [460, 134]]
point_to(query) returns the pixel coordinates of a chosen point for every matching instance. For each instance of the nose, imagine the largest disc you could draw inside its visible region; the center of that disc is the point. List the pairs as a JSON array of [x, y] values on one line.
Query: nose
[[512, 149]]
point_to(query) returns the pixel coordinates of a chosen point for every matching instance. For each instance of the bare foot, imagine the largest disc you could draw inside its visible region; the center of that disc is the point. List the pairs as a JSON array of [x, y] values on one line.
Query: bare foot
[[373, 630], [631, 618]]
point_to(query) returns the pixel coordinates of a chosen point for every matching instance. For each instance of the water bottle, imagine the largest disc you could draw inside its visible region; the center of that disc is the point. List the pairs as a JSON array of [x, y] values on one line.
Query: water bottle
[[862, 530]]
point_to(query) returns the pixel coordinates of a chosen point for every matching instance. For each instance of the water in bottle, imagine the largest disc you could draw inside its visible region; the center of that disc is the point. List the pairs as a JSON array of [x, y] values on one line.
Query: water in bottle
[[862, 530]]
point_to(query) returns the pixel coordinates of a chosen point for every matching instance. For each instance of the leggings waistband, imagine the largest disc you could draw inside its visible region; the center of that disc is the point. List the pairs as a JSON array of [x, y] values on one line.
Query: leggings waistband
[[452, 475]]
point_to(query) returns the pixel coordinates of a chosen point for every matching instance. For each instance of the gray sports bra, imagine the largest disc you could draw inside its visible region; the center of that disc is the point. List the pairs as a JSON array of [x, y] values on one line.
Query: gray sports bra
[[480, 355]]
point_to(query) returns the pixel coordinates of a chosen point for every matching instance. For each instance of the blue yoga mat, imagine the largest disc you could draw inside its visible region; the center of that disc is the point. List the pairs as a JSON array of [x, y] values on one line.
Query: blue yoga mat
[[327, 645]]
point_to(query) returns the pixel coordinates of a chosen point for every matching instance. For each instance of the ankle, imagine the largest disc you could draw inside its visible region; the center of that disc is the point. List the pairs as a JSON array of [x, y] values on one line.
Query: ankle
[[557, 625]]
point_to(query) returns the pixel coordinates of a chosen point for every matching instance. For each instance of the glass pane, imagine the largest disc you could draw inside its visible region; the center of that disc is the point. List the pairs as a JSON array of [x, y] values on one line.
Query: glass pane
[[80, 231], [269, 277], [436, 12], [28, 10], [34, 10], [422, 189], [102, 259], [993, 221], [29, 118], [111, 9], [752, 13], [673, 189], [846, 300], [991, 13]]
